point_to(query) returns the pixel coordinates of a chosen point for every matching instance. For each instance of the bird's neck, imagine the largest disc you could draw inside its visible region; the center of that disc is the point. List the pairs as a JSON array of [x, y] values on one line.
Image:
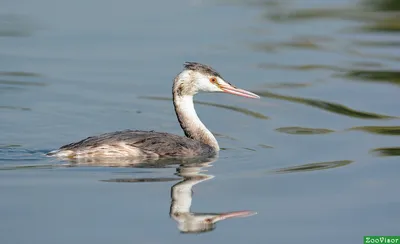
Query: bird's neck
[[190, 122]]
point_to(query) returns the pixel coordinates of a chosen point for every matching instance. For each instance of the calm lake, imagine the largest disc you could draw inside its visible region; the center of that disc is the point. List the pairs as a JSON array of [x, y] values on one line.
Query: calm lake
[[315, 160]]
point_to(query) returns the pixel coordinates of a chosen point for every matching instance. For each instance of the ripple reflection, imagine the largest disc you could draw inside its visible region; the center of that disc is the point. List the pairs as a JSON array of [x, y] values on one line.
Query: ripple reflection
[[327, 106], [383, 130], [313, 167], [303, 130], [386, 151]]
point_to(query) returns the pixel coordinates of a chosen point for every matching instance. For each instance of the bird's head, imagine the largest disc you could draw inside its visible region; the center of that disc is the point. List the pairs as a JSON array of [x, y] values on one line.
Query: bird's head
[[201, 222], [198, 77]]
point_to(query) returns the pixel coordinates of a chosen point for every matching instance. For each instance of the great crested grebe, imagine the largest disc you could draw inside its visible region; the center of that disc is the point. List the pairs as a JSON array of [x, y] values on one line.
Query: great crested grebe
[[199, 141]]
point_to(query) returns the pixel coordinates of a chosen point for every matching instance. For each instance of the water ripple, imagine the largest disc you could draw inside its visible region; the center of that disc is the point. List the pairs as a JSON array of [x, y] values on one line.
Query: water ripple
[[15, 108], [327, 106], [386, 151], [389, 76], [287, 85], [303, 130], [19, 74], [376, 20], [13, 25], [265, 146], [313, 166], [305, 67], [295, 44], [383, 130], [373, 43], [21, 83]]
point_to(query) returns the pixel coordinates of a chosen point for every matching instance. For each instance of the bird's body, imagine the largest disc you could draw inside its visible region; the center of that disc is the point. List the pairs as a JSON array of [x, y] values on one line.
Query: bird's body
[[199, 141], [135, 143]]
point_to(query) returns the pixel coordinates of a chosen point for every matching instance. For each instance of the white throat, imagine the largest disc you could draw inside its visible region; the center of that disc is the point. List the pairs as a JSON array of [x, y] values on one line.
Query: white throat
[[190, 122]]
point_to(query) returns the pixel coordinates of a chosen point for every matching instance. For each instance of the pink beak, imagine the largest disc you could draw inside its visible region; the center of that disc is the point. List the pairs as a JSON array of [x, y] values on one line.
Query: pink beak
[[233, 215], [236, 91]]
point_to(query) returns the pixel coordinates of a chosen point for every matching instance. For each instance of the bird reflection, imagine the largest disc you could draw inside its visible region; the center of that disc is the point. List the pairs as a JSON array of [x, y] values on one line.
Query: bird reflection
[[192, 172], [181, 201]]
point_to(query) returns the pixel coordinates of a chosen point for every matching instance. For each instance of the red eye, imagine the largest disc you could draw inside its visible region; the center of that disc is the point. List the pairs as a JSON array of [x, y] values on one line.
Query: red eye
[[213, 80]]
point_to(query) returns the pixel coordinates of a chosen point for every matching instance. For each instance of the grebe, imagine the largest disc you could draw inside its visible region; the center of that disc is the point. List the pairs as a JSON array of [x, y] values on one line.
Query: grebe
[[199, 141]]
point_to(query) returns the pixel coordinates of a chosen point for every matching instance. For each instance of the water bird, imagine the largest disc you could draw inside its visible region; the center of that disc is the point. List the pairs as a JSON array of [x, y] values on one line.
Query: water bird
[[194, 78]]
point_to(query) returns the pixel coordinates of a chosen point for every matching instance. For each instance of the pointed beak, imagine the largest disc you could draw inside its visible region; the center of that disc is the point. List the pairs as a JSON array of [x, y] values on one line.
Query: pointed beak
[[227, 88], [233, 215]]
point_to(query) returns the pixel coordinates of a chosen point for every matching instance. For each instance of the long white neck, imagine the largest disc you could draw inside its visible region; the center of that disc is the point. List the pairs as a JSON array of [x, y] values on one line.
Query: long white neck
[[190, 122]]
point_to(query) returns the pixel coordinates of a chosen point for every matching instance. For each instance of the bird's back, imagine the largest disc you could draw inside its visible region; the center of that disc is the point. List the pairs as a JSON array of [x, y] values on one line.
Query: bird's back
[[134, 143]]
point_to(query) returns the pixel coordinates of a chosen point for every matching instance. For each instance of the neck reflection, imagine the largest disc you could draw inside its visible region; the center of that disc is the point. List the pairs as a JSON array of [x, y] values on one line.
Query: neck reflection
[[181, 201], [192, 172]]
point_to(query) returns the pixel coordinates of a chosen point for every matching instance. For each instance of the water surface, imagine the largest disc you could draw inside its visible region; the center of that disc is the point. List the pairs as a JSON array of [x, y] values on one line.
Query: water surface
[[316, 158]]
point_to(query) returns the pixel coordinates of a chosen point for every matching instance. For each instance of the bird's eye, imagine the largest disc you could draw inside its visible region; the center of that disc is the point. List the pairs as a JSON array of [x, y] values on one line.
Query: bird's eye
[[213, 80]]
